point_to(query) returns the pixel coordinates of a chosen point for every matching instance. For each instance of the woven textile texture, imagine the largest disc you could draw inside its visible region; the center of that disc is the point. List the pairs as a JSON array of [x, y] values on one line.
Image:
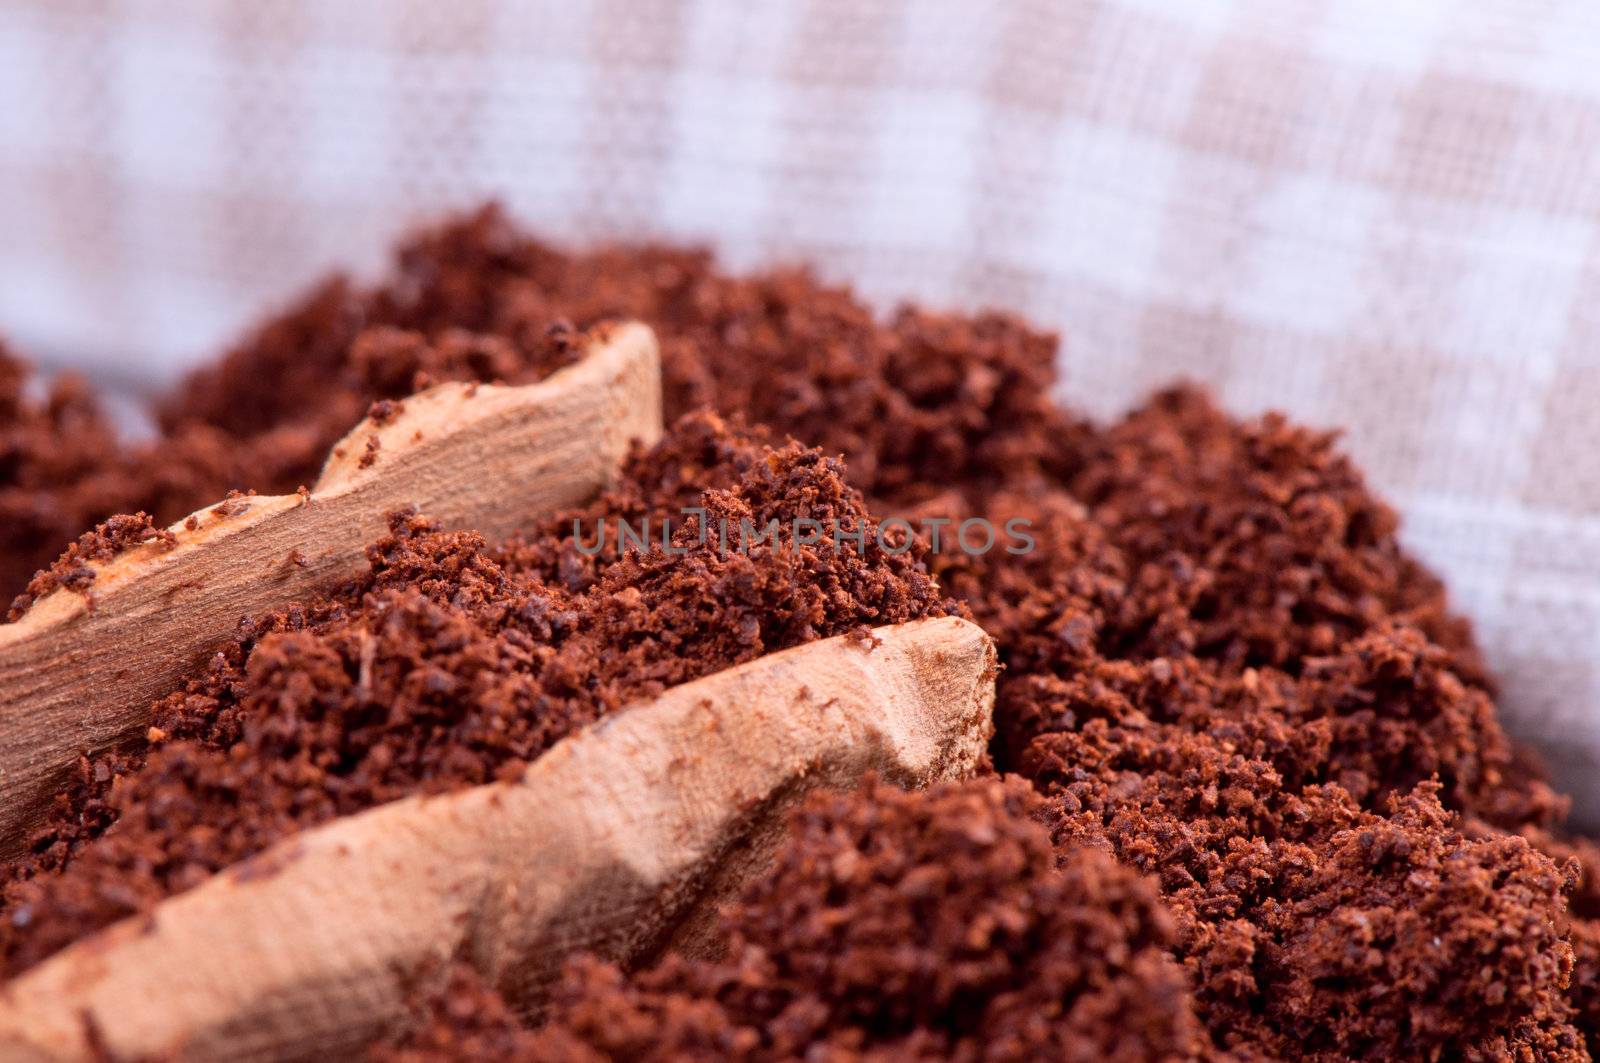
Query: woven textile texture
[[1377, 215]]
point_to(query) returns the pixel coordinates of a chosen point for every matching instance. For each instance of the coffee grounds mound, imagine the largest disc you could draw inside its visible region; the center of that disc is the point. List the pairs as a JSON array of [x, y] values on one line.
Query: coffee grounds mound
[[935, 926], [925, 401], [1218, 657], [1316, 930], [452, 664]]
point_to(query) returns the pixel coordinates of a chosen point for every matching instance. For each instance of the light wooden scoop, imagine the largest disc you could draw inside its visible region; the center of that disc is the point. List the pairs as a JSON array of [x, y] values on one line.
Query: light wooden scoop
[[623, 839], [78, 672]]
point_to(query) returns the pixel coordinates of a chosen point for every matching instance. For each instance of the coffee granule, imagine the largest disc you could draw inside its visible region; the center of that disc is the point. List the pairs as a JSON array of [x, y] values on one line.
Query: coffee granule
[[1221, 667], [453, 663], [934, 926]]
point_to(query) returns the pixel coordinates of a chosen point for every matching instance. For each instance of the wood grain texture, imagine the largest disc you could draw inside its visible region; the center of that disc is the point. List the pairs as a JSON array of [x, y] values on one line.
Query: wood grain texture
[[615, 840], [78, 672]]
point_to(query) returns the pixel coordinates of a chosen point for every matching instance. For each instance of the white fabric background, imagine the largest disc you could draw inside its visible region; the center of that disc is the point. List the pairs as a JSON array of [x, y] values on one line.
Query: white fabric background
[[1377, 214]]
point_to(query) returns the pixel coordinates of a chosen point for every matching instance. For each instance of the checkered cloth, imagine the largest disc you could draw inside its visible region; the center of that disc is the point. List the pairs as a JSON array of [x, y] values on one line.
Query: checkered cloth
[[1373, 214]]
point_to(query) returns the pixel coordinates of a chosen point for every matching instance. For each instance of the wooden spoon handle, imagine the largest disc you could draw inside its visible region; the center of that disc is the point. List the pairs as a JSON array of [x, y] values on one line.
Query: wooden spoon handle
[[79, 672], [620, 839]]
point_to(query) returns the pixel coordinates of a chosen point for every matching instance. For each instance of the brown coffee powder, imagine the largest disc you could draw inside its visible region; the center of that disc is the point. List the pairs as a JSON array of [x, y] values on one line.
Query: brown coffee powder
[[452, 664], [937, 926], [1221, 666]]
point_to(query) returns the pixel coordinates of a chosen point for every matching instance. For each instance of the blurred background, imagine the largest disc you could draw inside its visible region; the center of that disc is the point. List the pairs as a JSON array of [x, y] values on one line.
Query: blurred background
[[1375, 215]]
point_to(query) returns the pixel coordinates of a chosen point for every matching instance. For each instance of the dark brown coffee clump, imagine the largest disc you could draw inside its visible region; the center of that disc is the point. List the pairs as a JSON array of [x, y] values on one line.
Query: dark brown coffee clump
[[453, 663], [931, 926]]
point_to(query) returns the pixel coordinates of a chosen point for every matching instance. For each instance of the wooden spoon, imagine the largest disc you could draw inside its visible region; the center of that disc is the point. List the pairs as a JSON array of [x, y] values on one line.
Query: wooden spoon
[[78, 672], [622, 839]]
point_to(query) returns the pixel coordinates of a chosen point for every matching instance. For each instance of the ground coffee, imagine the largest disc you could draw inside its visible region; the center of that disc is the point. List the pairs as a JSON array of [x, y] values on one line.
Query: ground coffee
[[937, 926], [452, 664], [1221, 667]]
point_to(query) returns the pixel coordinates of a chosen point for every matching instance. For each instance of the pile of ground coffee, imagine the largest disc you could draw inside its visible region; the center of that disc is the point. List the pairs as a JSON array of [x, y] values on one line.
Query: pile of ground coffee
[[935, 926], [1220, 665], [452, 663]]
